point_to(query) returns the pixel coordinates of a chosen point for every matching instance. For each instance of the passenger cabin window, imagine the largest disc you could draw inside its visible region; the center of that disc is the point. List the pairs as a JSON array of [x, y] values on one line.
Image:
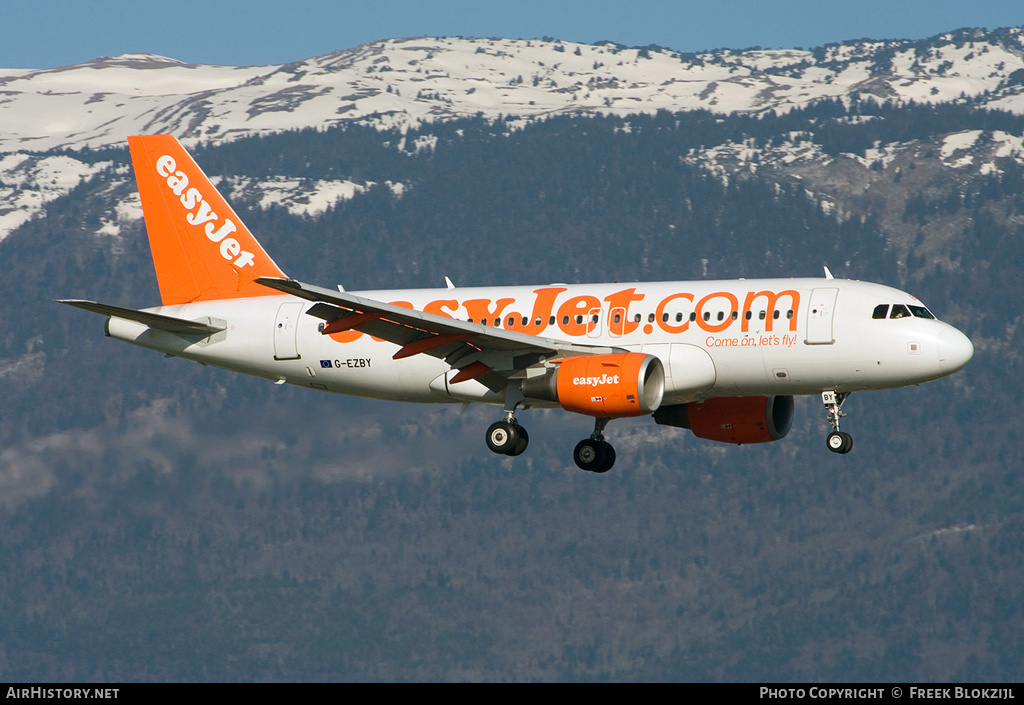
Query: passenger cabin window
[[899, 311], [881, 311]]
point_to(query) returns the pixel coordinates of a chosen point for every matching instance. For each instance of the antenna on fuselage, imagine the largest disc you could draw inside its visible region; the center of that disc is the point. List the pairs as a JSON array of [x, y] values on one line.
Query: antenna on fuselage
[[828, 274]]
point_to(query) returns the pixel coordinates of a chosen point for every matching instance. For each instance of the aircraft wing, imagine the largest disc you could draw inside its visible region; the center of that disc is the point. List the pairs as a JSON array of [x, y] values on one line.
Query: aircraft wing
[[491, 355]]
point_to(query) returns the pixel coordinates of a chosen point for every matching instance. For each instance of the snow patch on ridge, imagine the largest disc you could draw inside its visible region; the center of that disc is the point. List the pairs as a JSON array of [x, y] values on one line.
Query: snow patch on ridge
[[28, 183], [309, 197]]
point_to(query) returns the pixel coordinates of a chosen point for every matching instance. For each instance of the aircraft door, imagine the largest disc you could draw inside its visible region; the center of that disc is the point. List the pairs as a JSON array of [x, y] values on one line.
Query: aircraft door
[[286, 328], [820, 310]]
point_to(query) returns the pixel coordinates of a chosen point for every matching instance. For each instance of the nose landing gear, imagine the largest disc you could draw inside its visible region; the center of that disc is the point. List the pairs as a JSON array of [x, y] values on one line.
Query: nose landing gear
[[837, 441]]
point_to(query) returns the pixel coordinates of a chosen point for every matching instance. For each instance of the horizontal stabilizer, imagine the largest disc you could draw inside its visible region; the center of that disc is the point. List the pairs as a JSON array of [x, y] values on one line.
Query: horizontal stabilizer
[[178, 326]]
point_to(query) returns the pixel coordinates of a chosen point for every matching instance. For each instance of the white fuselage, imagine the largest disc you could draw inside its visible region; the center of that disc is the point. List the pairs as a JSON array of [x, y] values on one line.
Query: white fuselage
[[714, 338]]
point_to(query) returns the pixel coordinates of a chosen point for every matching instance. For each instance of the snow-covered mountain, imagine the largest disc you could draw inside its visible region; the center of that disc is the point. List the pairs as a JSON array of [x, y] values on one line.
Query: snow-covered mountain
[[398, 83], [401, 81]]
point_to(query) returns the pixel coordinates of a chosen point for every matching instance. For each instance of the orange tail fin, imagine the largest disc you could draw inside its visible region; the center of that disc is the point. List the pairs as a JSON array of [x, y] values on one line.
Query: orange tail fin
[[201, 250]]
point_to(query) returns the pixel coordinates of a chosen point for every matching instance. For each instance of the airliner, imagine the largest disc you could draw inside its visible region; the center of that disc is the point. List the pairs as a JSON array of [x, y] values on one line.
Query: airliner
[[723, 359]]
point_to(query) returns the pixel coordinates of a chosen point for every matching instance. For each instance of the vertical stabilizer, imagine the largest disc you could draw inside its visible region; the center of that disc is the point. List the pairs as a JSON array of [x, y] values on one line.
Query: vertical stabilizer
[[201, 250]]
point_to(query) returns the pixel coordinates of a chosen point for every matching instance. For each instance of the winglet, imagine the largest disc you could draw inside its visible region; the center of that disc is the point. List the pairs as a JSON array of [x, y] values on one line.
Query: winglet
[[201, 250]]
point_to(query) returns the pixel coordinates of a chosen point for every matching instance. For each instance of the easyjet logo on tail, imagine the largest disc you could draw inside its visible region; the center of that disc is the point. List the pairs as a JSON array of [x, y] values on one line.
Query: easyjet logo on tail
[[201, 213]]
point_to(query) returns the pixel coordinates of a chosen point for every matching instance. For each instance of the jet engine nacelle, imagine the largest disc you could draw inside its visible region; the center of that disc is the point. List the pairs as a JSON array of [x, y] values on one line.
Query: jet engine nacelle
[[607, 386], [737, 420]]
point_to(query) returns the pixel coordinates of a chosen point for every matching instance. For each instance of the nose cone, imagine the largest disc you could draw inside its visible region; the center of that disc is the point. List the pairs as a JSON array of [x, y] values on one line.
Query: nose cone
[[955, 350]]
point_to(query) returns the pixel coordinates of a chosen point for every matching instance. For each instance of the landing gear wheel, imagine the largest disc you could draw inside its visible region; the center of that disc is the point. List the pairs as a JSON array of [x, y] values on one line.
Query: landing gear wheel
[[839, 442], [589, 454], [594, 456], [524, 440], [503, 438], [609, 458]]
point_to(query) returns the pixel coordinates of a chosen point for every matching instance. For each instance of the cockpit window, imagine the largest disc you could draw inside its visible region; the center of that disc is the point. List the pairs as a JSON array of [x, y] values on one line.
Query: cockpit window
[[900, 311]]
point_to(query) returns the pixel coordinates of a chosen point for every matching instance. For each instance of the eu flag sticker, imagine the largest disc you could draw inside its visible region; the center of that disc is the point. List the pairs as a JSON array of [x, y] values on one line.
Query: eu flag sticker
[[326, 363]]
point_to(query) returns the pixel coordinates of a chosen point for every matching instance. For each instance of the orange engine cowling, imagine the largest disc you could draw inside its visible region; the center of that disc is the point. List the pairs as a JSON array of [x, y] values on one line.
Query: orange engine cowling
[[738, 420], [608, 386]]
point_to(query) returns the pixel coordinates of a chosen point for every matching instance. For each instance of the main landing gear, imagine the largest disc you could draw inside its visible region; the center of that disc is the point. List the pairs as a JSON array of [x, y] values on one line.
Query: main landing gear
[[507, 437], [595, 454], [837, 441]]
